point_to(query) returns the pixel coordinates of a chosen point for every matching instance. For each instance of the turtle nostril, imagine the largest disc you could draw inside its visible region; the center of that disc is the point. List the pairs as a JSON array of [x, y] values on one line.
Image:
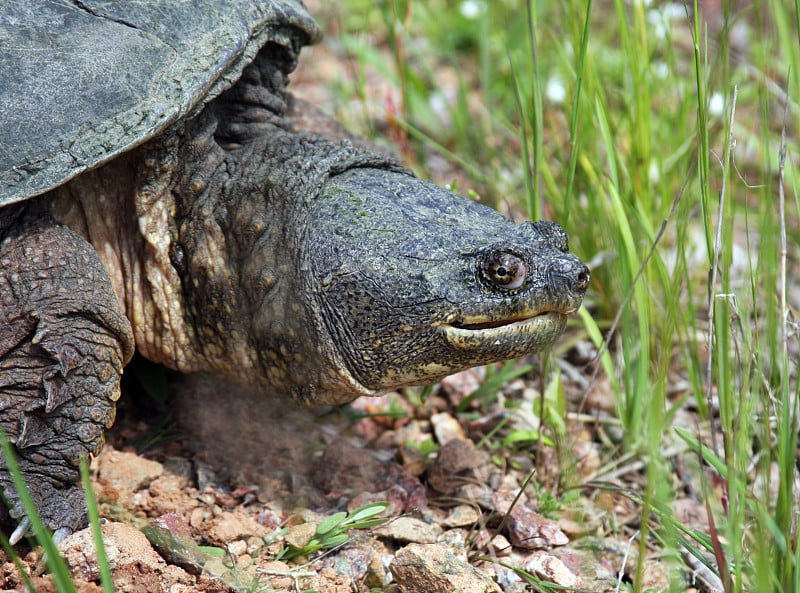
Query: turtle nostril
[[583, 278]]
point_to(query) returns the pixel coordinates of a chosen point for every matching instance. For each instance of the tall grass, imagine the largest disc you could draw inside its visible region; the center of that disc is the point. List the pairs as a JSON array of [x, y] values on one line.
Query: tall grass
[[680, 197]]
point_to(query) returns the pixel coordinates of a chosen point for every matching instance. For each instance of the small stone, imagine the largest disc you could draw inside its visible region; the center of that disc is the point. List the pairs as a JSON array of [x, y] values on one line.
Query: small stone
[[230, 526], [409, 529], [197, 516], [126, 473], [237, 548], [458, 465], [361, 561], [172, 537], [462, 516], [550, 568], [446, 428], [494, 544], [528, 530], [432, 568], [299, 535], [412, 460], [463, 384]]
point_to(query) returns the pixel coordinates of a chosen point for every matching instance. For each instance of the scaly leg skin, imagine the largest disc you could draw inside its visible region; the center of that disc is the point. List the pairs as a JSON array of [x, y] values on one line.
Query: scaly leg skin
[[63, 343]]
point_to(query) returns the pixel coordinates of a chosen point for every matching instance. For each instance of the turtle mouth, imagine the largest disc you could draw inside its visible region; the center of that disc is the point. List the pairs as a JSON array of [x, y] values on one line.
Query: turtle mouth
[[507, 337]]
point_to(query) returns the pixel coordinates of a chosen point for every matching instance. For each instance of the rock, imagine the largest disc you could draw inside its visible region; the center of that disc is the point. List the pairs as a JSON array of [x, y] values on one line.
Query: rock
[[462, 384], [551, 569], [230, 526], [528, 530], [362, 561], [462, 516], [463, 471], [298, 536], [396, 498], [125, 474], [135, 565], [492, 544], [409, 529], [432, 568], [446, 428], [412, 459], [172, 537]]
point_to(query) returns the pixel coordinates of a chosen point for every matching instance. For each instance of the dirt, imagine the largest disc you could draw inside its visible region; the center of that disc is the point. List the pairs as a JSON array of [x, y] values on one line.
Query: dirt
[[223, 493]]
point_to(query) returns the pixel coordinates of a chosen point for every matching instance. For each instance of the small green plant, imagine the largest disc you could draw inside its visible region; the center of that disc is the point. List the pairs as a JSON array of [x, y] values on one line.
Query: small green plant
[[333, 530], [427, 447]]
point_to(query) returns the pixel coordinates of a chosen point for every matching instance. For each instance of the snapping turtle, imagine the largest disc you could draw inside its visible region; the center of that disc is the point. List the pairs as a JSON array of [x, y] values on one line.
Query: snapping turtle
[[155, 195]]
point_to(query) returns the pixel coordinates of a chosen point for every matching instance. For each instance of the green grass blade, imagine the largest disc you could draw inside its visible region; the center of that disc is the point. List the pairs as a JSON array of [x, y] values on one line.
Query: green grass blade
[[96, 527]]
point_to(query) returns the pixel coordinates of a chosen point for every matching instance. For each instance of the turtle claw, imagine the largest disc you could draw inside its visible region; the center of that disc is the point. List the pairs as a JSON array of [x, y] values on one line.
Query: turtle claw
[[24, 528], [60, 534], [21, 531]]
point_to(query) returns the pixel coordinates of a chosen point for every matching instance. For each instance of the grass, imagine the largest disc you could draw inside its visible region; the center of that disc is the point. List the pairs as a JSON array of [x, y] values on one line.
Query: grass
[[654, 134]]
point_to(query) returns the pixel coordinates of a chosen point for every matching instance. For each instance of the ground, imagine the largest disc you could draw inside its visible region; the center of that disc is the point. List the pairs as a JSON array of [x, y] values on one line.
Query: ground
[[227, 492], [233, 493]]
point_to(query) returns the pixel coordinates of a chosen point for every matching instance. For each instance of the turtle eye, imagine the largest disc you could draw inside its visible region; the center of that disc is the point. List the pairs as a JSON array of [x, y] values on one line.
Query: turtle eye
[[504, 270]]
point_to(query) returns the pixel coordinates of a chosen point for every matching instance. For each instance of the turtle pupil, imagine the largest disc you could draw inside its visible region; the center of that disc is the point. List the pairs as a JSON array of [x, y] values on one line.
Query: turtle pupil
[[502, 272]]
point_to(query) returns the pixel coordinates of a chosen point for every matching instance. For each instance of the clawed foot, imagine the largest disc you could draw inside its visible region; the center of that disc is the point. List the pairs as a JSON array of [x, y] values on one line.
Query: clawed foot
[[63, 510]]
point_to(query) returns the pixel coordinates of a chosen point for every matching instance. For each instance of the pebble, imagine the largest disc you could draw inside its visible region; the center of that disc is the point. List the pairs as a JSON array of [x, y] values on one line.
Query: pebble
[[409, 529], [432, 568]]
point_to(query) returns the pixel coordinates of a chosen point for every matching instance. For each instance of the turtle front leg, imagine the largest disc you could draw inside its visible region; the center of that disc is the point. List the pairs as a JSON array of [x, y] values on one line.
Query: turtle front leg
[[63, 343]]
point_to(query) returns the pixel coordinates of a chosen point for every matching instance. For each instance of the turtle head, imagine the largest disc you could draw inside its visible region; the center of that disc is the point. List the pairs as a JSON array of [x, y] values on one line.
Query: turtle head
[[411, 283]]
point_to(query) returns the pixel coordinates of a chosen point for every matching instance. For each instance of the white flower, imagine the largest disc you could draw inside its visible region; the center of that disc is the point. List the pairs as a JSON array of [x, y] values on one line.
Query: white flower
[[555, 90], [716, 104], [472, 9], [654, 173], [660, 70]]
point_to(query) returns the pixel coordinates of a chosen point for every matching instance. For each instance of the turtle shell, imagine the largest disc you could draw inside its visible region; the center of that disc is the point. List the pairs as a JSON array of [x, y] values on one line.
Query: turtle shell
[[83, 81]]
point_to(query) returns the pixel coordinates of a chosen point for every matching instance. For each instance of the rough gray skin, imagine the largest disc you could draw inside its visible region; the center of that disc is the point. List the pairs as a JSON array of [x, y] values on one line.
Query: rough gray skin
[[221, 239]]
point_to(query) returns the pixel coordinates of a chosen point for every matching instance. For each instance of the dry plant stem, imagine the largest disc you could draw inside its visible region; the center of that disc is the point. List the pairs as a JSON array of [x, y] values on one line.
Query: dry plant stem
[[702, 576], [634, 467], [503, 522], [621, 573], [542, 388]]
